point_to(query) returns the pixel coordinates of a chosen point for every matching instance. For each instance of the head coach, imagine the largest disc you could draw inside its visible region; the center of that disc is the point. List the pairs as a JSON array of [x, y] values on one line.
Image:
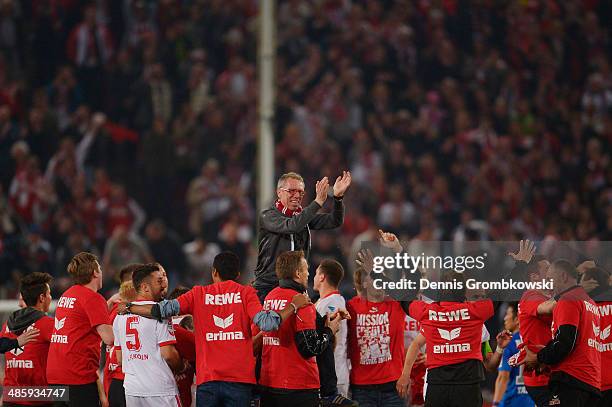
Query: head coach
[[285, 226]]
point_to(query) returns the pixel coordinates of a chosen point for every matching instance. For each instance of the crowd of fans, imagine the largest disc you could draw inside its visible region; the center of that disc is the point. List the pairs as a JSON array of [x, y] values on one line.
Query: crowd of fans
[[128, 128]]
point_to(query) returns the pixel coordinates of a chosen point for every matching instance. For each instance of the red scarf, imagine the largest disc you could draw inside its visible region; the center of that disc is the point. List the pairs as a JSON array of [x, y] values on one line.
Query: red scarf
[[286, 211]]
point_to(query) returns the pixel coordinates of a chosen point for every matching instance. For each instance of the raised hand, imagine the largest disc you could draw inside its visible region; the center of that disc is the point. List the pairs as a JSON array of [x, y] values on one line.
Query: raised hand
[[321, 190], [525, 252], [365, 260], [390, 241], [342, 183], [503, 339]]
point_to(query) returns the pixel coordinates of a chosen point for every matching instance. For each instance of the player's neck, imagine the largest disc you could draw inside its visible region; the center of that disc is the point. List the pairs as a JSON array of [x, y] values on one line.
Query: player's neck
[[144, 297], [325, 290], [92, 285], [39, 307]]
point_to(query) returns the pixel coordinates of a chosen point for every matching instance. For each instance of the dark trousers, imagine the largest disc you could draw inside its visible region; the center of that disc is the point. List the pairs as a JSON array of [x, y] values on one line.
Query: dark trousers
[[539, 394], [453, 395], [294, 398], [605, 400], [227, 394], [80, 395], [565, 395], [116, 394], [377, 396]]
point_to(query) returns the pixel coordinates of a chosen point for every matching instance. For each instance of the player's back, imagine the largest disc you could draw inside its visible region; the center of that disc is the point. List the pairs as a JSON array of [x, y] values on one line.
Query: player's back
[[141, 339]]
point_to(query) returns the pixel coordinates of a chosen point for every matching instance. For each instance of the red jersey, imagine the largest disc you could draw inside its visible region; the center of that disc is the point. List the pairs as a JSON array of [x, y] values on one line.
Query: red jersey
[[605, 314], [74, 354], [576, 308], [112, 369], [27, 367], [453, 330], [375, 340], [535, 331], [222, 314], [185, 345], [282, 365]]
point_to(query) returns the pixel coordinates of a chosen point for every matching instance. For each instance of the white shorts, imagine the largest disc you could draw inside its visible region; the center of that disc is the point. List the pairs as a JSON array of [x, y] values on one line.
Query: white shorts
[[152, 401]]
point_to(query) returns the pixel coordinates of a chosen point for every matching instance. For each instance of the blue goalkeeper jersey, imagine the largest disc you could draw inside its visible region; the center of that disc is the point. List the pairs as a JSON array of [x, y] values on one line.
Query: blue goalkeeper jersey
[[516, 394]]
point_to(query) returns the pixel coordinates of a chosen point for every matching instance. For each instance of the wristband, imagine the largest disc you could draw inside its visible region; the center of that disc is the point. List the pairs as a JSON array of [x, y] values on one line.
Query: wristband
[[128, 306], [499, 350], [294, 308]]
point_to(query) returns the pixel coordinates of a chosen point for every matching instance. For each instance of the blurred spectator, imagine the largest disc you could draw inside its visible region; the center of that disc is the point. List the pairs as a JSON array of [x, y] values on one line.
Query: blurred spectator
[[207, 201], [200, 255], [166, 248], [123, 248], [89, 47]]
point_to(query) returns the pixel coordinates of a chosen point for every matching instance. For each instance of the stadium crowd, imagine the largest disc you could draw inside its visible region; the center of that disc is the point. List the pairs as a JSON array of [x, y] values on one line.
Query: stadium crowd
[[128, 128]]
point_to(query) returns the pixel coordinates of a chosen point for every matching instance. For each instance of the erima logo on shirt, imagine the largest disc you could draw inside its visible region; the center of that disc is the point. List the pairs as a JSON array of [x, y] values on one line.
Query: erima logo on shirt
[[601, 334], [451, 347], [18, 351], [224, 336], [19, 364], [373, 309], [449, 335], [59, 323], [223, 323]]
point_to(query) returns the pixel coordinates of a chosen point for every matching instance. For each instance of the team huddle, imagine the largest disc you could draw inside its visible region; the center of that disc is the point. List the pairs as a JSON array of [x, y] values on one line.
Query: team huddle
[[267, 344]]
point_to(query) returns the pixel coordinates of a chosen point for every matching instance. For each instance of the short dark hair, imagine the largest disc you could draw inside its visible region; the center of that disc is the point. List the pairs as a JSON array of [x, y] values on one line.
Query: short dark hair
[[333, 271], [457, 292], [177, 292], [227, 265], [287, 263], [141, 273], [514, 306], [32, 286], [129, 269], [600, 275], [187, 322], [566, 267]]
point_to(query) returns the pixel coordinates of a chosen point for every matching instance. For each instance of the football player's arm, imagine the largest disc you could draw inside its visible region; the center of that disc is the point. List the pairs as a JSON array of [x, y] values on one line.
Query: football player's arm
[[411, 355], [101, 392], [501, 383], [546, 307], [106, 333], [268, 320], [118, 355], [172, 358], [8, 344], [312, 342], [561, 345]]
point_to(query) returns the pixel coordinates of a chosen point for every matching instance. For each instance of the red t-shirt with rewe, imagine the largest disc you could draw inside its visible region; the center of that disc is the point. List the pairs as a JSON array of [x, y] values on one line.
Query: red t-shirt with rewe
[[535, 331], [605, 336], [74, 353], [282, 365], [222, 314], [584, 362], [375, 340], [112, 369], [27, 367], [453, 330]]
